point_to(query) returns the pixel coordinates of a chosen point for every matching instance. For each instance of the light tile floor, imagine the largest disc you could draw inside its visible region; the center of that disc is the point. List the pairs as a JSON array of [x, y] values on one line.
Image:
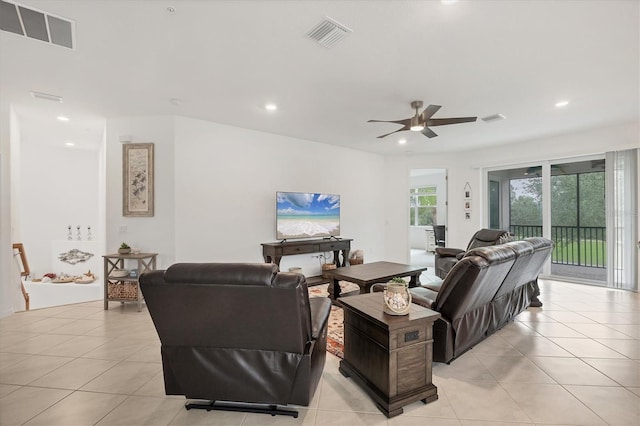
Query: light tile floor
[[575, 361]]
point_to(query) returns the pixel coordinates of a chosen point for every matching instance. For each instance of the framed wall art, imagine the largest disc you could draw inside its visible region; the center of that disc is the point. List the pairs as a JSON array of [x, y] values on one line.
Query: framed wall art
[[467, 201], [467, 191], [137, 179]]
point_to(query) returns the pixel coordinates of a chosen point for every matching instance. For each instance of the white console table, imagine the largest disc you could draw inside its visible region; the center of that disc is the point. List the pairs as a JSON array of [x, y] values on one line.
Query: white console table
[[47, 294]]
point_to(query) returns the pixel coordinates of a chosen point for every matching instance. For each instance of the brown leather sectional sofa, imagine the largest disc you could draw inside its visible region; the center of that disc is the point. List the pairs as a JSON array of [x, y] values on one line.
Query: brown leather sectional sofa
[[482, 292]]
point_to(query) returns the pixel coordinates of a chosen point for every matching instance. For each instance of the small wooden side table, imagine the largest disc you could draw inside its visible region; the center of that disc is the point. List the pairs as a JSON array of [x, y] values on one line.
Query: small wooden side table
[[125, 289], [389, 356]]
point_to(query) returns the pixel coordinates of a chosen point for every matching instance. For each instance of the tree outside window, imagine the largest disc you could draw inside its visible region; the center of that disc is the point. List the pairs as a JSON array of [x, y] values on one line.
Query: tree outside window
[[423, 206], [526, 201]]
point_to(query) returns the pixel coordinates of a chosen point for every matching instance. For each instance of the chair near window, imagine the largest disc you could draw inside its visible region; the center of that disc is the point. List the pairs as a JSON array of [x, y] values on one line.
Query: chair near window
[[446, 257], [438, 231]]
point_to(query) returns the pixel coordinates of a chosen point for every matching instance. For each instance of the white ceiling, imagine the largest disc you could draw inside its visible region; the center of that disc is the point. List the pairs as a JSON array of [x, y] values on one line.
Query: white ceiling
[[225, 59]]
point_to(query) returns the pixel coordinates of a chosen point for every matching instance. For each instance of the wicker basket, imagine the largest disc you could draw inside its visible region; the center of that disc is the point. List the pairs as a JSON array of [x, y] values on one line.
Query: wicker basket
[[356, 261], [122, 290], [327, 267]]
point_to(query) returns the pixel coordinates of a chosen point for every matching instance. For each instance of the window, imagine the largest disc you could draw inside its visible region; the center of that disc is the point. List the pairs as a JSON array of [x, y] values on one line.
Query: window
[[423, 206], [525, 202]]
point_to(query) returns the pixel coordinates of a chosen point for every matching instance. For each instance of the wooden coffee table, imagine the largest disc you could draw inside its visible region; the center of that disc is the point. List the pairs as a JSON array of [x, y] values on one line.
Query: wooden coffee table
[[389, 356], [367, 274]]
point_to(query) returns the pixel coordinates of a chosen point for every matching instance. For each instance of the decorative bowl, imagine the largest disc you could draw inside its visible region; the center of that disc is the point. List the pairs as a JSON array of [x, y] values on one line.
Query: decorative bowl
[[120, 273]]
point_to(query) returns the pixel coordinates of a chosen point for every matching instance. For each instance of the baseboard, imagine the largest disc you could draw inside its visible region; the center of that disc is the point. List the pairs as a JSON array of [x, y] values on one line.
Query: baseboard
[[6, 313]]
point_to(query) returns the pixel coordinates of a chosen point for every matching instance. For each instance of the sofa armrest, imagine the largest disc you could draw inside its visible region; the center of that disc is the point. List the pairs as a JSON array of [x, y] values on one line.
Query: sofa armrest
[[320, 308], [433, 286], [448, 252], [423, 296]]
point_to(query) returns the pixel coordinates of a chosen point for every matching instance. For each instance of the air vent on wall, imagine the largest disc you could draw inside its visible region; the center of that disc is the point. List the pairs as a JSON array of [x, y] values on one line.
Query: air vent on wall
[[35, 24], [492, 118], [328, 32]]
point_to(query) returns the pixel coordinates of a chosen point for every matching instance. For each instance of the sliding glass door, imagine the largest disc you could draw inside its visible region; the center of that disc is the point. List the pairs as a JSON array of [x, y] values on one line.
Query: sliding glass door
[[572, 213], [515, 201], [578, 220]]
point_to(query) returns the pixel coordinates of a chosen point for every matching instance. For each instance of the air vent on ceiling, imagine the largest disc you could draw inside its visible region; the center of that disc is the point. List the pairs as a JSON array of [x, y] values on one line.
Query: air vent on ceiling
[[492, 118], [35, 24], [329, 32], [46, 96]]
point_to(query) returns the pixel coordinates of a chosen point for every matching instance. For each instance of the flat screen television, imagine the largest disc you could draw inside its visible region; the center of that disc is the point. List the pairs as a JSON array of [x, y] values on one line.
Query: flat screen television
[[307, 215]]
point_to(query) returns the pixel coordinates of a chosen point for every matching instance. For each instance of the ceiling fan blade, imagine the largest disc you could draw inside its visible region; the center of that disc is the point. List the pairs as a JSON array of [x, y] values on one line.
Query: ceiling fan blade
[[395, 131], [428, 132], [444, 121], [405, 122], [429, 111]]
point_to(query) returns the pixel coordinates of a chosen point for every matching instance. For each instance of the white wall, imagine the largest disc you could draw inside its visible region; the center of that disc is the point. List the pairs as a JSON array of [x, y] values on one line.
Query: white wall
[[59, 187], [151, 234], [225, 184], [7, 268], [468, 166]]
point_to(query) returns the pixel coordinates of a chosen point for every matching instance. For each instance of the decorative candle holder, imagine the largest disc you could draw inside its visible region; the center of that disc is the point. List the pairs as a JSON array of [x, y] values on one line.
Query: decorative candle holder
[[397, 298]]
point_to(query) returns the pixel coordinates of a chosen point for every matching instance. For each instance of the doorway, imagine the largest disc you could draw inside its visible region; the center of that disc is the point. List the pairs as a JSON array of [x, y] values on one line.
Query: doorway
[[427, 208]]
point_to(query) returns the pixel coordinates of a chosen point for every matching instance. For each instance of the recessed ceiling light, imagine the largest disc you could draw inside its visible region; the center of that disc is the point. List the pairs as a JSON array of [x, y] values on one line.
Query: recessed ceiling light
[[271, 107], [62, 118], [562, 104], [448, 1], [402, 141], [69, 144]]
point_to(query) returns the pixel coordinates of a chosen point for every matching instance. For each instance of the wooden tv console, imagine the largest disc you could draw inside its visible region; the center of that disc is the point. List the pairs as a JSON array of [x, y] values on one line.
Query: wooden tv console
[[273, 252]]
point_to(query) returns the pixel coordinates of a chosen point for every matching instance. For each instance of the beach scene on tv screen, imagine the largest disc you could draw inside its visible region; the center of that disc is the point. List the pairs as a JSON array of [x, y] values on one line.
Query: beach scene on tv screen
[[304, 215]]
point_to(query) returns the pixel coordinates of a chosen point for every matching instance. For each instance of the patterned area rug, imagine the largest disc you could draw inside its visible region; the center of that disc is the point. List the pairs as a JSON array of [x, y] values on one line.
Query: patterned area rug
[[335, 335]]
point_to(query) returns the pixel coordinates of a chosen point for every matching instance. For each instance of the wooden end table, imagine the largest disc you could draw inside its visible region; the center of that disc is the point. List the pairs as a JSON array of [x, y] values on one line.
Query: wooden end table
[[127, 288], [389, 356]]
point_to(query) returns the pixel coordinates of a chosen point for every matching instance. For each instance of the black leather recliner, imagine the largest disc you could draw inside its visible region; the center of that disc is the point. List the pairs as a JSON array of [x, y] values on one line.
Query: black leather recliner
[[446, 257], [245, 337]]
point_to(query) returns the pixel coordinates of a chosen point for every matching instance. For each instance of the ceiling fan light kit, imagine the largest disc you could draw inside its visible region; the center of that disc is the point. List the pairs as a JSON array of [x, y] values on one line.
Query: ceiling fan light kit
[[421, 122], [416, 126]]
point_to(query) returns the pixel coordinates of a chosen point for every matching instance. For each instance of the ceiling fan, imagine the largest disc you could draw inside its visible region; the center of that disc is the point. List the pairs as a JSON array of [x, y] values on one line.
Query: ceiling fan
[[422, 121]]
